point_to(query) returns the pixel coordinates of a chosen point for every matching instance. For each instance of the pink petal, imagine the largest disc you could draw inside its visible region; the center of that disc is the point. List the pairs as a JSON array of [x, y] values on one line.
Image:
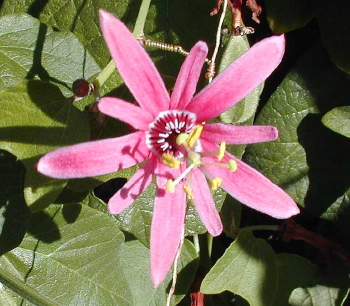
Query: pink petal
[[94, 157], [126, 112], [166, 230], [235, 134], [134, 65], [133, 188], [189, 74], [204, 203], [252, 188], [239, 79]]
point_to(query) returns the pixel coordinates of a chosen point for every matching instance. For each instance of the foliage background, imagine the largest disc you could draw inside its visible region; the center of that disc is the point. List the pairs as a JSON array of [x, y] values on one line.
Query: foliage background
[[58, 244]]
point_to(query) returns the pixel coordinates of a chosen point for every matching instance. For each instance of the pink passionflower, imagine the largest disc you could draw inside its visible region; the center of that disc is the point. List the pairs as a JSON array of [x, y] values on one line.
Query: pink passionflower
[[176, 146]]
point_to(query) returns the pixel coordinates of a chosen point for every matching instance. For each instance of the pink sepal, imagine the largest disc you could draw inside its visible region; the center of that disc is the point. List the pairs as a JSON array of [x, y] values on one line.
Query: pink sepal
[[235, 134], [239, 79], [167, 226], [205, 206], [133, 188], [252, 188], [134, 65], [94, 157], [186, 82], [127, 112]]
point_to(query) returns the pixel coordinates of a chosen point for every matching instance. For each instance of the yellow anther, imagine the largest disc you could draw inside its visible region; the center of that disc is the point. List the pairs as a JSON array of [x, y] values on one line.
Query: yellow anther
[[170, 186], [222, 150], [170, 161], [188, 191], [215, 183], [232, 165], [181, 139], [194, 135]]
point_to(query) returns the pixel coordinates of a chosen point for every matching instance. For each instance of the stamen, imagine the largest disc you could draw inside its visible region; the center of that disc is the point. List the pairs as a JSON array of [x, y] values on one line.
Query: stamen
[[188, 191], [232, 164], [170, 186], [222, 150], [215, 183], [170, 161], [194, 135]]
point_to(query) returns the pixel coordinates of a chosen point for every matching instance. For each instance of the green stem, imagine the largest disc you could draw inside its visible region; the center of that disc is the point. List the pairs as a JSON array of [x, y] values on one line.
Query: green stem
[[24, 290], [139, 25], [205, 252], [104, 74], [260, 228], [141, 18]]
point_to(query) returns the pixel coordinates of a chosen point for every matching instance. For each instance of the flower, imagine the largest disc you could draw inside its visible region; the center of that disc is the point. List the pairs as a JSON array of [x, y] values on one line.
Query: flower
[[177, 148]]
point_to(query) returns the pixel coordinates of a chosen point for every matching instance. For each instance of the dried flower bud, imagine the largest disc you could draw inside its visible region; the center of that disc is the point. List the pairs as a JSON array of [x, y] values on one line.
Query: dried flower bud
[[82, 88]]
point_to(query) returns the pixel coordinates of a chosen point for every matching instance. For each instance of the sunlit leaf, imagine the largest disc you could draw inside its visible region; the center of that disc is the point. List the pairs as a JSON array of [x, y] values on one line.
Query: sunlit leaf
[[30, 49], [248, 268], [84, 266], [338, 120], [138, 276], [35, 119]]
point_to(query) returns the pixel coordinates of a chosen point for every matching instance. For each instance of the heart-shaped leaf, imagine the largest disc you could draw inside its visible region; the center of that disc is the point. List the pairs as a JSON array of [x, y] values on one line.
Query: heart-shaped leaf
[[60, 263]]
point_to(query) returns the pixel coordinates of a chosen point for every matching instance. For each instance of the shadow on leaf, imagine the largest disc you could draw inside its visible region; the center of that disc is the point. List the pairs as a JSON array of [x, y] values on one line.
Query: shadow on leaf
[[14, 213]]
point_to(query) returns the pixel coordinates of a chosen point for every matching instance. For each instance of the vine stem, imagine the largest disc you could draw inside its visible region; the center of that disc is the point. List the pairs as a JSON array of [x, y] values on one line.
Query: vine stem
[[218, 38], [138, 30], [141, 18]]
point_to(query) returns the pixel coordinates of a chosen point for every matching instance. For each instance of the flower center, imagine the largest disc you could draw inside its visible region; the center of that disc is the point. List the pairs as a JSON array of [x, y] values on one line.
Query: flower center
[[164, 130]]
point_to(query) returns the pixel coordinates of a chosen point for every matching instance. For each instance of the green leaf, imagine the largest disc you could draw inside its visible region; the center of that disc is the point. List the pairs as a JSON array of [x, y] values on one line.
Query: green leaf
[[338, 120], [294, 272], [138, 276], [288, 15], [79, 17], [309, 161], [9, 298], [29, 48], [35, 119], [333, 290], [248, 268], [333, 21], [78, 248]]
